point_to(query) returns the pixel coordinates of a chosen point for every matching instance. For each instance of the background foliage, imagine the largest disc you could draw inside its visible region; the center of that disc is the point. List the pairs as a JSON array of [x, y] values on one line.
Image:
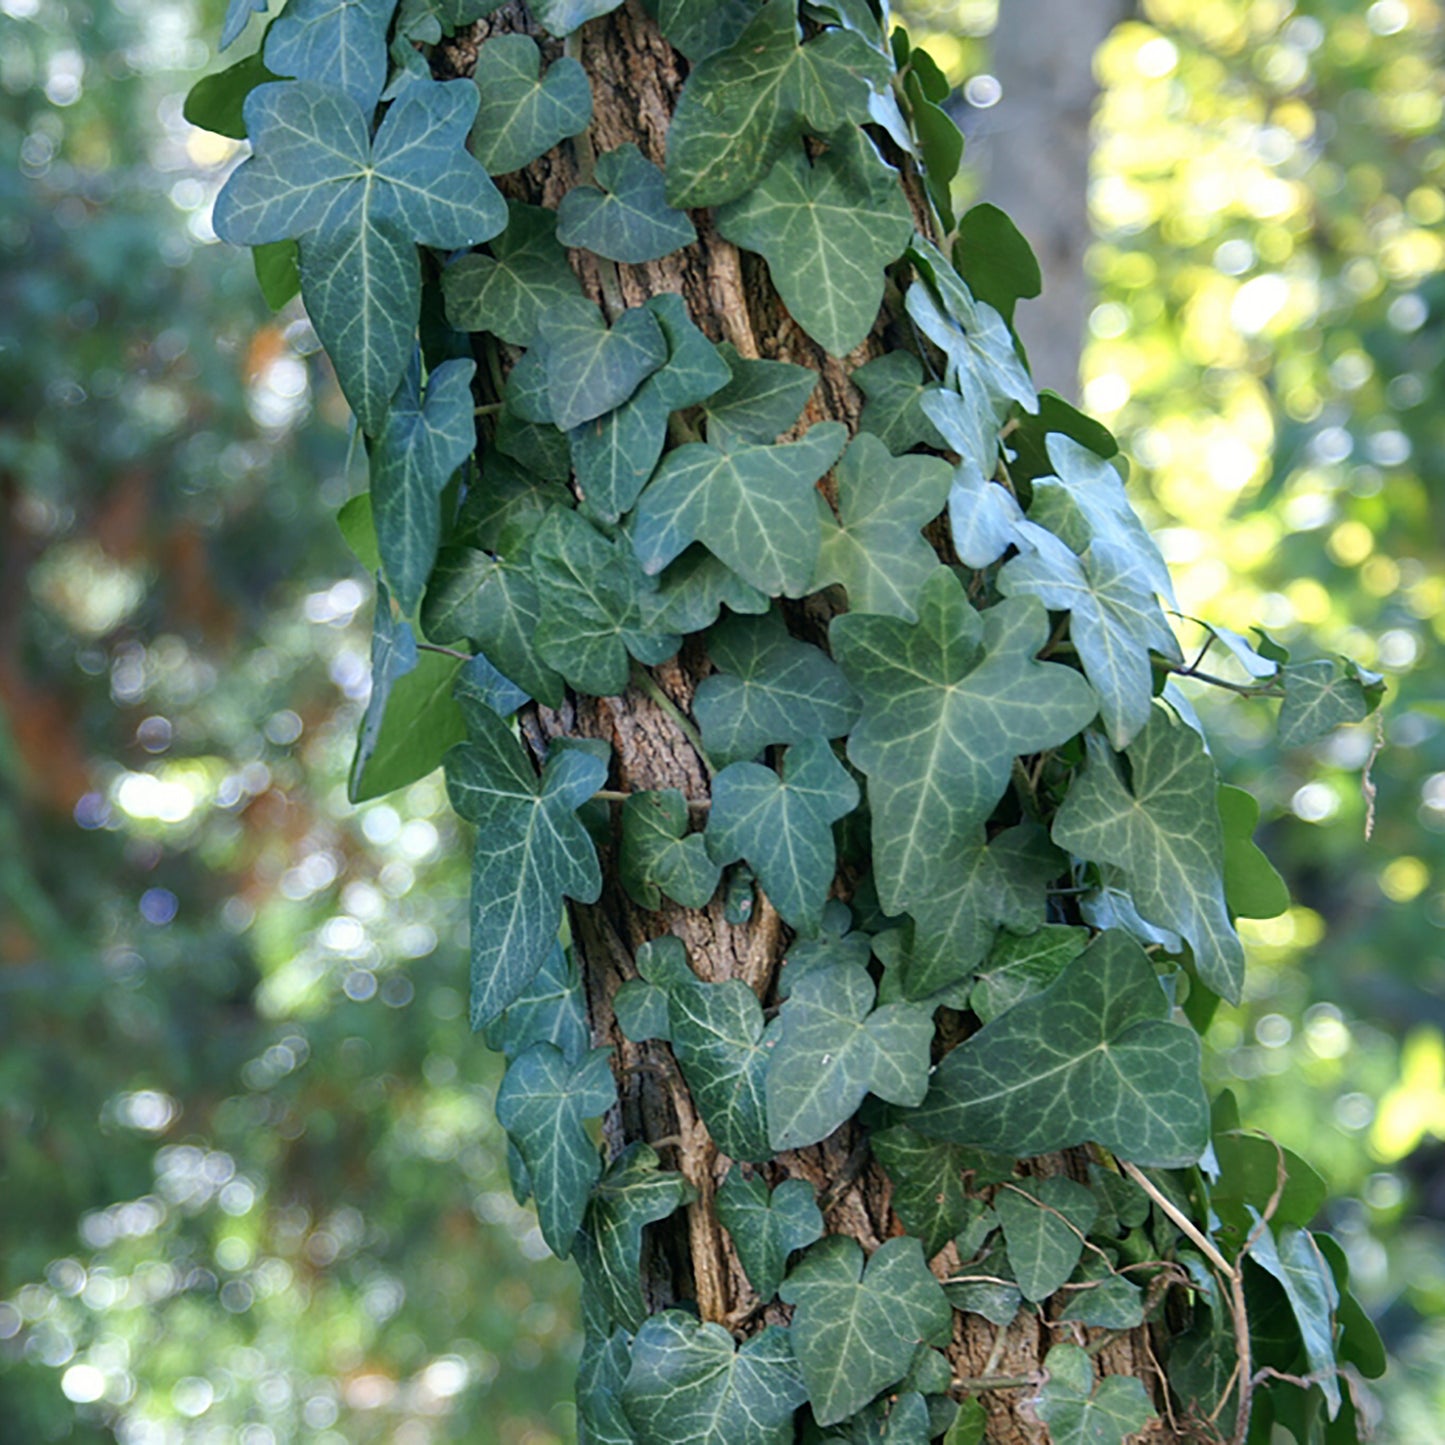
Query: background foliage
[[201, 950]]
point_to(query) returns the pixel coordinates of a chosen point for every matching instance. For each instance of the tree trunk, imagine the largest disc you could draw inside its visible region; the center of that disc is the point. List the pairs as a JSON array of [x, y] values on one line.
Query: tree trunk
[[636, 79]]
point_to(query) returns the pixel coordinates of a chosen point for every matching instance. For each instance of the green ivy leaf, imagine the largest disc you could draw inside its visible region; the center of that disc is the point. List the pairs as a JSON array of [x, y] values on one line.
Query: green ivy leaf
[[633, 1192], [966, 893], [1044, 1224], [875, 547], [749, 506], [238, 15], [1115, 620], [783, 826], [767, 1227], [928, 1181], [508, 292], [855, 1328], [741, 106], [769, 688], [549, 1010], [1319, 697], [995, 260], [641, 1010], [718, 1036], [216, 102], [601, 1373], [827, 230], [530, 851], [983, 518], [591, 368], [899, 1418], [977, 1289], [359, 207], [493, 603], [1294, 1259], [628, 218], [615, 454], [834, 1048], [694, 589], [1360, 1344], [591, 592], [689, 1381], [833, 944], [340, 43], [699, 28], [278, 271], [659, 856], [894, 385], [542, 1103], [1252, 885], [1017, 968], [1111, 1302], [939, 142], [562, 17], [1093, 1057], [1078, 1413], [422, 442], [760, 403], [429, 20], [522, 114], [1162, 828], [479, 682], [948, 703]]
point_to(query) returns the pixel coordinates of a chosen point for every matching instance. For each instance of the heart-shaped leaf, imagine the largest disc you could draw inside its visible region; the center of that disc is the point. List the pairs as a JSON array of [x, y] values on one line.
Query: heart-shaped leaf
[[592, 368], [550, 1010], [1078, 1412], [340, 43], [928, 1177], [628, 219], [767, 1227], [1017, 967], [760, 403], [659, 856], [1044, 1224], [894, 386], [523, 114]]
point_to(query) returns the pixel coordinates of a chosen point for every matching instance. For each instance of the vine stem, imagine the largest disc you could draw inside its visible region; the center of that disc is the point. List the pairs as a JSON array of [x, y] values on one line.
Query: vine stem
[[445, 651], [647, 684], [616, 795]]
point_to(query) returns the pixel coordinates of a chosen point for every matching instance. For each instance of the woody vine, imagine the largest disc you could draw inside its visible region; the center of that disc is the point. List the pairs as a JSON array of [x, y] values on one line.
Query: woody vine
[[852, 878]]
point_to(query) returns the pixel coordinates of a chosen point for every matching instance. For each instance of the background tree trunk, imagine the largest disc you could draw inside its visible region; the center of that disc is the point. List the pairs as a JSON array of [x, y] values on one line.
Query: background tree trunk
[[1033, 150], [636, 78]]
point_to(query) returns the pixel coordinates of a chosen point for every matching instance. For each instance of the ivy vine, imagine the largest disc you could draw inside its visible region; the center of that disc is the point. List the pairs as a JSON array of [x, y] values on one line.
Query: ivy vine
[[973, 791]]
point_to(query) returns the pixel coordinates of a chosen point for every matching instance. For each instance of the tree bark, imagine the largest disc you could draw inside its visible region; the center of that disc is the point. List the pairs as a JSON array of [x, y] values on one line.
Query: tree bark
[[636, 79]]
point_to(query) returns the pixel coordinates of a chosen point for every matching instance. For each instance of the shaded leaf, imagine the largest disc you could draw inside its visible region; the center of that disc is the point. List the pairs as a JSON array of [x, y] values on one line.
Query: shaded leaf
[[1043, 1249], [1294, 1259], [855, 1327], [1017, 968], [601, 1373], [340, 43], [591, 368], [562, 17], [694, 589], [894, 385], [628, 218], [1078, 1412], [523, 114], [1359, 1344], [1092, 1057], [767, 1227], [238, 15], [1162, 829], [832, 944], [215, 102], [659, 856], [641, 1010], [983, 1286], [834, 1048], [541, 1103], [551, 1009], [479, 682], [929, 1191], [1112, 1302], [699, 27], [760, 403]]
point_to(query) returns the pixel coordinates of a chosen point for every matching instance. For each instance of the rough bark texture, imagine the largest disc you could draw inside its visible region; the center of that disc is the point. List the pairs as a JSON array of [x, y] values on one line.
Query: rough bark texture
[[1033, 149], [636, 78]]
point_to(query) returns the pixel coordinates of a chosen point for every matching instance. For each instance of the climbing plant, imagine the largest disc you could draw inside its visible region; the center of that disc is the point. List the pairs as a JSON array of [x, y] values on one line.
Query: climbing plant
[[845, 841]]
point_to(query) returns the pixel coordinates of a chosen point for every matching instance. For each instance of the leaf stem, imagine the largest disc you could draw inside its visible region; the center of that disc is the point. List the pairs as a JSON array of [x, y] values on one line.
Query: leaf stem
[[490, 408], [648, 685], [445, 651], [617, 795]]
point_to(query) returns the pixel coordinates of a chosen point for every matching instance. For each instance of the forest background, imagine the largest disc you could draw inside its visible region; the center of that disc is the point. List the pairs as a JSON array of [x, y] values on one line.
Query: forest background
[[252, 1187]]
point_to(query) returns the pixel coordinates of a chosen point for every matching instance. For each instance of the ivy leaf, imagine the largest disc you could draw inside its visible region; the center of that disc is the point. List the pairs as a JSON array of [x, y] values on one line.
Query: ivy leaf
[[856, 1327], [530, 851], [615, 454], [238, 15], [983, 517], [541, 1104], [833, 944], [966, 892], [641, 1010], [493, 603], [995, 260], [1319, 696], [760, 403], [522, 114], [340, 43], [899, 1418], [508, 292], [928, 1181], [835, 1047], [783, 826], [948, 703], [689, 1381], [216, 102], [1360, 1344], [966, 419], [1162, 829], [601, 1372], [769, 688], [979, 1291], [875, 547], [550, 1010], [632, 1192], [699, 29], [591, 368], [1112, 1303], [748, 505], [591, 591], [718, 1036], [827, 230], [1294, 1259], [1043, 1248], [359, 207], [1078, 1413], [659, 856], [1115, 619], [393, 655], [429, 20], [478, 682], [1252, 886], [628, 218], [1093, 1057], [694, 589], [741, 106], [894, 385], [766, 1228], [562, 17], [1018, 967], [422, 442]]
